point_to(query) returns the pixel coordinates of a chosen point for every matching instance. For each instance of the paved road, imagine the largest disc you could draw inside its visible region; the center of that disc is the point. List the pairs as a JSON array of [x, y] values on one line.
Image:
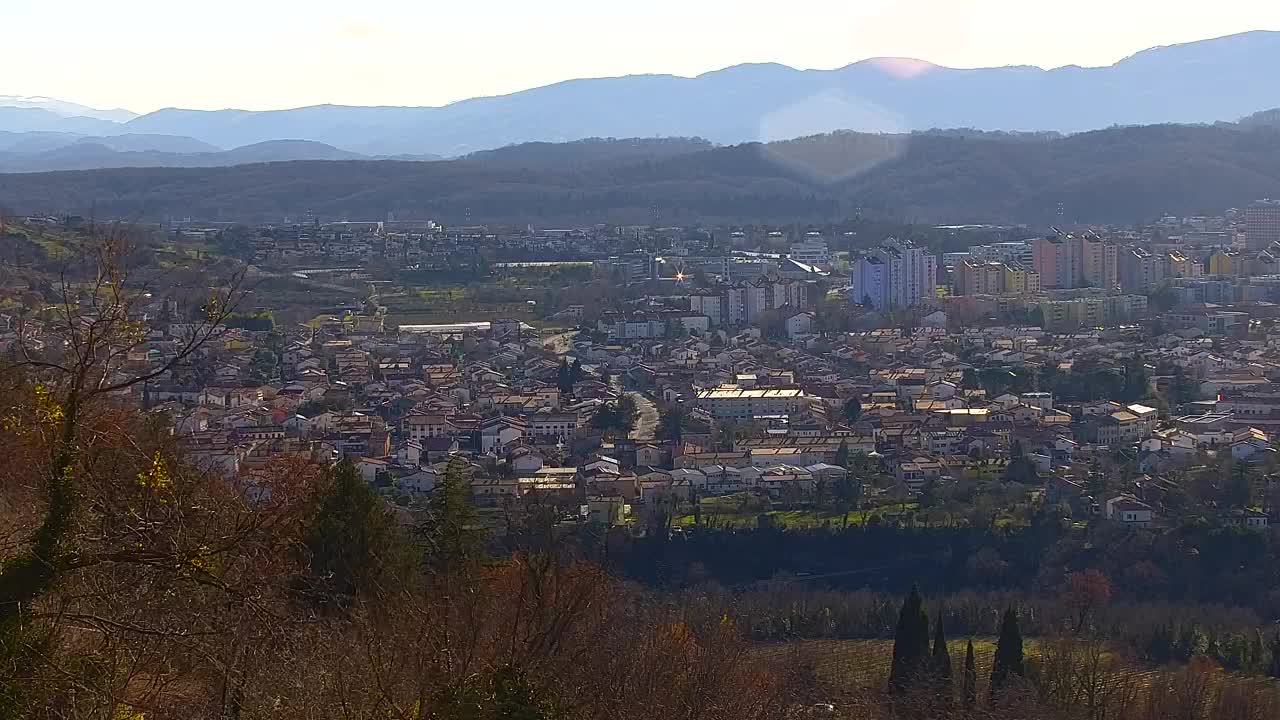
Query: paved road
[[647, 421]]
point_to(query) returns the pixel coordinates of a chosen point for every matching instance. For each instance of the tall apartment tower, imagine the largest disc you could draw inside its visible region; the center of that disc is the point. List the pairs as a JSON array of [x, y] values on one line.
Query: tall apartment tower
[[896, 275], [1054, 259], [1262, 224], [1099, 262]]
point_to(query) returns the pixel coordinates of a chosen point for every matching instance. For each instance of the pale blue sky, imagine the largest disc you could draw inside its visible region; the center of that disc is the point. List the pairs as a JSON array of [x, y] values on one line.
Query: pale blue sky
[[261, 54]]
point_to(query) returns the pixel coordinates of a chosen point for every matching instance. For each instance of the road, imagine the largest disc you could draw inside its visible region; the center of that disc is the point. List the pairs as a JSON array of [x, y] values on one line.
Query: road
[[647, 418]]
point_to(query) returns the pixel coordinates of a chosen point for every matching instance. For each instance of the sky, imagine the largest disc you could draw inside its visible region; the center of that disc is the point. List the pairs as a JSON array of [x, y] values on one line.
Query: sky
[[267, 54]]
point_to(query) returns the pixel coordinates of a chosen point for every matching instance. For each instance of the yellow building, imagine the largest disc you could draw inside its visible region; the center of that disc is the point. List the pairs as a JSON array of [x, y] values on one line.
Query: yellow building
[[1020, 281], [1223, 263]]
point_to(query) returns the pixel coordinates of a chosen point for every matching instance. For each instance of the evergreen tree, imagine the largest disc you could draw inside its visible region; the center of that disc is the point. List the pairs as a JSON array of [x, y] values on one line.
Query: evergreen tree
[[1273, 667], [449, 530], [564, 378], [671, 423], [1008, 660], [575, 371], [353, 541], [842, 454], [910, 645], [852, 409], [970, 687], [940, 662]]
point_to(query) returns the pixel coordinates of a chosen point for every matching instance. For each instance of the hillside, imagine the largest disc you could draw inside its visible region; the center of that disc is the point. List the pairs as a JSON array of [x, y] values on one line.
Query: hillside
[[45, 152], [1120, 175]]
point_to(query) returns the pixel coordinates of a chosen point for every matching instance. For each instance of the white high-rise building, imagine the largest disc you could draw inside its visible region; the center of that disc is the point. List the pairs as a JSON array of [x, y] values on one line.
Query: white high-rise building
[[898, 274]]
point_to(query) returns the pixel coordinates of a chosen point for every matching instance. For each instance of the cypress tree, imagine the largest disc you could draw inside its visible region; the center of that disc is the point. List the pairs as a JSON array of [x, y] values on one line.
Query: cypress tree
[[970, 688], [941, 661], [1008, 660], [1273, 667], [910, 645], [452, 540], [352, 540]]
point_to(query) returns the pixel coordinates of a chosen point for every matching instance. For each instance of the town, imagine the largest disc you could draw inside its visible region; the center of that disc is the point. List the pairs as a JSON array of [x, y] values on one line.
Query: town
[[738, 376]]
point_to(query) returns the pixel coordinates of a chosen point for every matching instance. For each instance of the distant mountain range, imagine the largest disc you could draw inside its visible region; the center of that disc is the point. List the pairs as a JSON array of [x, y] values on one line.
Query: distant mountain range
[[1199, 82], [63, 108], [49, 151], [1119, 175]]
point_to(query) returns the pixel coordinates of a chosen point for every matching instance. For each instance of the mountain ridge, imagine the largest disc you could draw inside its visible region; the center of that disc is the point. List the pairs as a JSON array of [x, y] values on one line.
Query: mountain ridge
[[1118, 175], [1218, 79], [148, 151]]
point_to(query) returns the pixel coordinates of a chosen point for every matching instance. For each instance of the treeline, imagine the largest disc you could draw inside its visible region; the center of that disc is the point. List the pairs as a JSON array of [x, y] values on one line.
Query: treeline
[[1198, 563], [1120, 175], [1065, 675]]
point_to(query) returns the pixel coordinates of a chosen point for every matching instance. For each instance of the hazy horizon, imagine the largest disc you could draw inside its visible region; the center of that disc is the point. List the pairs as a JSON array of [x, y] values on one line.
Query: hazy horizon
[[291, 54]]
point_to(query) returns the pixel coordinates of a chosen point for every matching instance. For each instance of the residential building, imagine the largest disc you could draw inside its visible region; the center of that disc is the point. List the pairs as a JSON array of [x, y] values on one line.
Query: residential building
[[811, 251], [1183, 266], [1018, 280], [1262, 224], [1098, 262], [869, 283], [896, 275], [1140, 270], [979, 278], [1224, 263], [731, 402], [1054, 260], [1129, 510]]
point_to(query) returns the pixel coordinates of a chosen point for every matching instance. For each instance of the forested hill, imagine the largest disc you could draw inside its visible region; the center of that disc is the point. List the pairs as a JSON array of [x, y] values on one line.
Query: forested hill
[[1119, 175]]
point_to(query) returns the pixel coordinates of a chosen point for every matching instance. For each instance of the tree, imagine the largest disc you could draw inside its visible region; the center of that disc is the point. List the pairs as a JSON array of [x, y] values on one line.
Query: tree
[[671, 423], [1136, 381], [616, 417], [842, 454], [852, 409], [910, 645], [1240, 488], [970, 684], [1183, 388], [101, 500], [940, 662], [1273, 667], [263, 366], [576, 373], [450, 532], [564, 378], [1087, 592], [1008, 660], [354, 543]]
